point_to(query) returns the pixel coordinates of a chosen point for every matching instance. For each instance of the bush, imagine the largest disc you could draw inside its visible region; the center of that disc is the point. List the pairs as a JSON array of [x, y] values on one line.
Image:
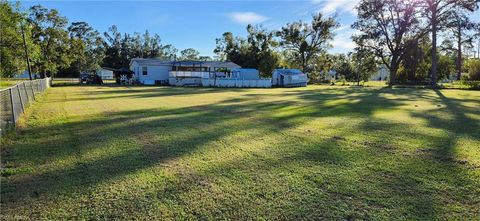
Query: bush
[[473, 66], [471, 84]]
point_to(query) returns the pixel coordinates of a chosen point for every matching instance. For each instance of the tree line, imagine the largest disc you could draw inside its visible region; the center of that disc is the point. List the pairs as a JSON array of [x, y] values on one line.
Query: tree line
[[57, 47], [396, 34], [400, 35]]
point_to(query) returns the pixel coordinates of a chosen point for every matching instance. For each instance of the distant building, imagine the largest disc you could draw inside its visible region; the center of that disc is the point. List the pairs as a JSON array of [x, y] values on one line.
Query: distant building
[[154, 71], [105, 73], [381, 75], [25, 75], [289, 78]]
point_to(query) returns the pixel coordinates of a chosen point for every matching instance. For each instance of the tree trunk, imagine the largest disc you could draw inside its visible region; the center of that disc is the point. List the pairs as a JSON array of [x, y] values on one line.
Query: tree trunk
[[434, 49], [393, 71], [459, 52], [304, 62]]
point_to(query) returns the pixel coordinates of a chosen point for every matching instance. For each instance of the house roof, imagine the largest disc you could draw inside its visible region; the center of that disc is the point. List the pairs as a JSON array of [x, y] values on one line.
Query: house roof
[[109, 68], [150, 61]]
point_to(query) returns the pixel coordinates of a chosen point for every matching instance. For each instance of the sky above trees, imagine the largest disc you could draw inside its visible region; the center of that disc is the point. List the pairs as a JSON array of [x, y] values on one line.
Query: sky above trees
[[196, 24]]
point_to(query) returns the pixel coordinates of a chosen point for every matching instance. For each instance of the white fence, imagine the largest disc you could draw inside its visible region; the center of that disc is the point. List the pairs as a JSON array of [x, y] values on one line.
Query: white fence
[[16, 99], [223, 82]]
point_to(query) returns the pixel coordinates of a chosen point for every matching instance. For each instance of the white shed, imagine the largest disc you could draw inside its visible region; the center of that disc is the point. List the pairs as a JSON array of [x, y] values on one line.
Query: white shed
[[105, 73], [289, 78]]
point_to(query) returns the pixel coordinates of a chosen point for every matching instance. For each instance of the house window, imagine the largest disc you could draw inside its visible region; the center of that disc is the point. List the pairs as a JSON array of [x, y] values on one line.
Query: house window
[[144, 71]]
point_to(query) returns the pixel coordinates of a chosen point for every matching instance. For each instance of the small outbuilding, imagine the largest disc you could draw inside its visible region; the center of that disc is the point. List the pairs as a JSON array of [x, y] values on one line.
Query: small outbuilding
[[105, 73], [289, 78]]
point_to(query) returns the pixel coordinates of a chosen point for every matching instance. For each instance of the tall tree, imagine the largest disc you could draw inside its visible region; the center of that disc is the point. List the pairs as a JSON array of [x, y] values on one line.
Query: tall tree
[[257, 51], [113, 45], [364, 62], [323, 66], [168, 52], [205, 58], [459, 26], [385, 26], [189, 54], [416, 63], [50, 34], [260, 53], [306, 40], [344, 67], [231, 48], [438, 13], [12, 51], [155, 46], [87, 47]]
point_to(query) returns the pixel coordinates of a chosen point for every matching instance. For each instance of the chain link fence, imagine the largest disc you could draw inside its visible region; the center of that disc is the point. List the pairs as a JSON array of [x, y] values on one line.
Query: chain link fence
[[16, 99]]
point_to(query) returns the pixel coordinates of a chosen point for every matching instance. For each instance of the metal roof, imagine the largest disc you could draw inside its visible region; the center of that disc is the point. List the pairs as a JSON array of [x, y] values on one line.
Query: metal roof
[[150, 61]]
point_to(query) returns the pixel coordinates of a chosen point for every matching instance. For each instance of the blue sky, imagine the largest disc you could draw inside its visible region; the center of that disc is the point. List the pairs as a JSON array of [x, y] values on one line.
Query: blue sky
[[196, 24]]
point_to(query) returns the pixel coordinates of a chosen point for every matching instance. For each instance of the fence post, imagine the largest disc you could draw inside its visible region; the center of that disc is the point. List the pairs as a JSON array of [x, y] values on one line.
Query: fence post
[[33, 91], [26, 92], [13, 106], [21, 100]]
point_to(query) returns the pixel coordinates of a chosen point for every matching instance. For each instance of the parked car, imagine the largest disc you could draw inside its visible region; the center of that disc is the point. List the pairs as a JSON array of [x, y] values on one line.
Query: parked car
[[94, 79], [90, 79], [83, 78]]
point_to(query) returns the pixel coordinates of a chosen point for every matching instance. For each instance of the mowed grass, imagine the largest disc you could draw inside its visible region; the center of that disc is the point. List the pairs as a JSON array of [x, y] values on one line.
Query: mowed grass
[[8, 82], [321, 152]]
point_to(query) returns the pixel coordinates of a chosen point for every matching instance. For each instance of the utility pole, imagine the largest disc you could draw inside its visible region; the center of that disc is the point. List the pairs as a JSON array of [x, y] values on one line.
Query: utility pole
[[26, 51]]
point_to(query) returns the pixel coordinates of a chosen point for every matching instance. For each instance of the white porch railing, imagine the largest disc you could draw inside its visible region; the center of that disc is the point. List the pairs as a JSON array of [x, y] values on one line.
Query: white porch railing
[[194, 74]]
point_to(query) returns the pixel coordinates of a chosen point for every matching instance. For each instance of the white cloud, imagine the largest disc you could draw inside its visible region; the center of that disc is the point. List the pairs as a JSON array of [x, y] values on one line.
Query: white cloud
[[342, 27], [332, 6], [342, 43], [247, 17]]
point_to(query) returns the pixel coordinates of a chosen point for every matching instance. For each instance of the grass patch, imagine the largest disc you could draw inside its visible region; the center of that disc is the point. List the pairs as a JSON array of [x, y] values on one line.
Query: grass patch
[[321, 152], [8, 82]]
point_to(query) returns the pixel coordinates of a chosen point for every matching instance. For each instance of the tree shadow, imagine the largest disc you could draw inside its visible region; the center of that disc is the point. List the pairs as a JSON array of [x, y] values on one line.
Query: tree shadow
[[133, 141]]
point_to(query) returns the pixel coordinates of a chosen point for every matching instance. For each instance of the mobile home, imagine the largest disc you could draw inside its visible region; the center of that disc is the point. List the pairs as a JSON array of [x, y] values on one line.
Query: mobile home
[[151, 71]]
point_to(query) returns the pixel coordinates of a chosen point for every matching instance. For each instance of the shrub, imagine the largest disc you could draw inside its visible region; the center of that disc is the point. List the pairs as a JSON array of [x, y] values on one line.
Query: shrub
[[473, 66]]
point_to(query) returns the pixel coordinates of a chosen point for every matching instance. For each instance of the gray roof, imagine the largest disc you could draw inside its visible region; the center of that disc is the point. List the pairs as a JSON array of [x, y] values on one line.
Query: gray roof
[[150, 61], [158, 62]]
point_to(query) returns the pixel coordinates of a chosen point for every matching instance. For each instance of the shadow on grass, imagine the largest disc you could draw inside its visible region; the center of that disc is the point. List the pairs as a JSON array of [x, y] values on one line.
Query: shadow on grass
[[129, 142]]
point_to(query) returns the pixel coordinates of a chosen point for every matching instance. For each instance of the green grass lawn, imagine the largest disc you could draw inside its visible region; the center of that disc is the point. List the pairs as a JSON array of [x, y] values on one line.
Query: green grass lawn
[[8, 82], [321, 152]]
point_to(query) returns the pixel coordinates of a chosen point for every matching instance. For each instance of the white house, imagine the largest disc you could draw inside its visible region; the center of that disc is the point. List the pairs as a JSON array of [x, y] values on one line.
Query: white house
[[105, 73], [381, 75], [155, 71]]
